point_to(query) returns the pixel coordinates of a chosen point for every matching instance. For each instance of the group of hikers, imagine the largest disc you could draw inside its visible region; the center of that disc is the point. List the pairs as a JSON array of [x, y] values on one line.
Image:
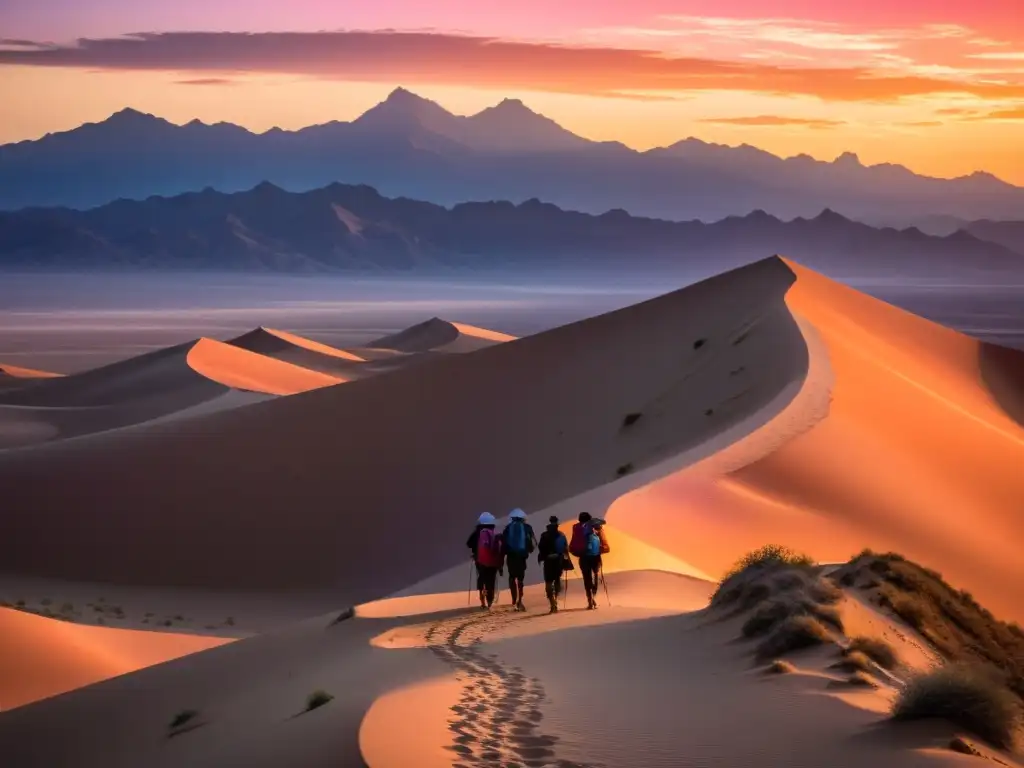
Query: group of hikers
[[512, 547]]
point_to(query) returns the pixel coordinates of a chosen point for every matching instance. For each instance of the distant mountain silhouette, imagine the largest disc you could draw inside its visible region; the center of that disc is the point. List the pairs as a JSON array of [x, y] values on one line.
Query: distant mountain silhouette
[[411, 146], [354, 228]]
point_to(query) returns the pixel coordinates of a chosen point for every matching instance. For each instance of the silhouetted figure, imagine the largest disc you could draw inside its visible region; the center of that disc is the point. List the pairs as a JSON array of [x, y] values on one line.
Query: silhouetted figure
[[518, 542], [553, 555], [485, 544], [588, 544]]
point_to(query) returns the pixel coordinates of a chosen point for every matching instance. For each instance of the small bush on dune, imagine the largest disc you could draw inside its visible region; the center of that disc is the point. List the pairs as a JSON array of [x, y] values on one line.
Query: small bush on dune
[[875, 649], [861, 679], [317, 699], [854, 661], [793, 634], [183, 717], [965, 696], [738, 585], [773, 613], [780, 667]]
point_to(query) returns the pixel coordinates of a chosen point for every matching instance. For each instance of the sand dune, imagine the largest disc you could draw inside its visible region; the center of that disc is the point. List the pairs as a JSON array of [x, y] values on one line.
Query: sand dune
[[918, 454], [622, 686], [437, 335], [305, 475], [14, 372], [305, 353], [41, 657], [174, 381]]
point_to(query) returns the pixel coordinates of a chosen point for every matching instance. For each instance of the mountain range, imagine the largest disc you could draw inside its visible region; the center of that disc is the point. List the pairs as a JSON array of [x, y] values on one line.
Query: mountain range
[[355, 228], [410, 146]]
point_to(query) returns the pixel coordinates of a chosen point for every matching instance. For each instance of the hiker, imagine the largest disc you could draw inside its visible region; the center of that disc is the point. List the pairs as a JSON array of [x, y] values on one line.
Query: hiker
[[588, 544], [553, 555], [485, 544], [518, 542]]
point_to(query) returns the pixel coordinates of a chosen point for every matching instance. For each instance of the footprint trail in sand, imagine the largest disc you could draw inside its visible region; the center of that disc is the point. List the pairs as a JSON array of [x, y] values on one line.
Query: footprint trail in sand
[[497, 722]]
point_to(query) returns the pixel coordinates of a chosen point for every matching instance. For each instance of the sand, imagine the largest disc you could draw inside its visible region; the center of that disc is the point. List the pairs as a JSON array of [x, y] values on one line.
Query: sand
[[41, 657], [768, 404], [300, 351], [621, 686], [14, 372], [268, 496], [917, 455]]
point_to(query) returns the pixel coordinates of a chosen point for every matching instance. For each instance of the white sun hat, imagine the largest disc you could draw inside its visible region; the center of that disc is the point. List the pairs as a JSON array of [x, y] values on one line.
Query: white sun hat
[[517, 514], [486, 518]]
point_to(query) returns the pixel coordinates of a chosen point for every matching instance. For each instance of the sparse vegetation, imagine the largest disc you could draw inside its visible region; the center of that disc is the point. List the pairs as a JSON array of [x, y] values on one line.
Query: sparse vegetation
[[182, 718], [794, 634], [230, 621], [875, 649], [951, 620], [624, 470], [970, 698], [699, 343], [770, 614], [744, 583], [862, 679], [67, 608], [855, 661], [780, 667], [317, 699], [631, 419], [20, 603]]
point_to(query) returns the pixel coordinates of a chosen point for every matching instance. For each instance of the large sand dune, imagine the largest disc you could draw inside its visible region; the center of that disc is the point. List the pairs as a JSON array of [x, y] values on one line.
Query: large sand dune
[[918, 454], [172, 381], [300, 351], [292, 493]]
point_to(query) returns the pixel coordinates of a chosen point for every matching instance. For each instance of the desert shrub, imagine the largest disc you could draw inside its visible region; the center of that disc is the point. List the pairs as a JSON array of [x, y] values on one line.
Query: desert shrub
[[793, 634], [780, 667], [854, 661], [317, 699], [968, 697], [183, 717], [739, 582], [861, 679], [875, 649], [769, 615]]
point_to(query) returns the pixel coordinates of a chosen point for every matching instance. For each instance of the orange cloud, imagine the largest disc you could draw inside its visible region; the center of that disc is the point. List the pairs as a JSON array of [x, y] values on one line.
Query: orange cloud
[[423, 57], [774, 120]]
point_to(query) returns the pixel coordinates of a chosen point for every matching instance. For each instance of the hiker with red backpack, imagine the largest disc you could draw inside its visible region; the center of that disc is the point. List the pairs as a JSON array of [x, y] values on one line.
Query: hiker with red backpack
[[518, 542], [587, 544], [485, 544], [553, 555]]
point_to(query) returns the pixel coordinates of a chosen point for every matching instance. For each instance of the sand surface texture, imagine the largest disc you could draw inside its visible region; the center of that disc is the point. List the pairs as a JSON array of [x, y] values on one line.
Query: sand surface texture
[[764, 405]]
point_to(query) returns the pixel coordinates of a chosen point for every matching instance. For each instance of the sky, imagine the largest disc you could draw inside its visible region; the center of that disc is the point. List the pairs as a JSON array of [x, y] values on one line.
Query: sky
[[938, 87]]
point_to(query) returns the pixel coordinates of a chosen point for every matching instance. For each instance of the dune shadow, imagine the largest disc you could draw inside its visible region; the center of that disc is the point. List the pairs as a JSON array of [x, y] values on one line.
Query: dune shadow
[[1002, 373]]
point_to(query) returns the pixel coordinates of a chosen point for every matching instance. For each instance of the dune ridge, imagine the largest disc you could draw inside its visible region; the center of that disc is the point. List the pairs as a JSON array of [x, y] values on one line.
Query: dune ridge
[[917, 454], [15, 372], [437, 335], [681, 376], [306, 353]]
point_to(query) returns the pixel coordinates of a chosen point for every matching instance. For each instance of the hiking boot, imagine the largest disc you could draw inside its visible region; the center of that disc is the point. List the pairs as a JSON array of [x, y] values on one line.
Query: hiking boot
[[520, 606], [483, 600]]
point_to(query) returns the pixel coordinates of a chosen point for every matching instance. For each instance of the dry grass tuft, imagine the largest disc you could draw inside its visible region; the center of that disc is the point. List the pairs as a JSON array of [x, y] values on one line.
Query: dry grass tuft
[[968, 697], [875, 649], [793, 634], [780, 667]]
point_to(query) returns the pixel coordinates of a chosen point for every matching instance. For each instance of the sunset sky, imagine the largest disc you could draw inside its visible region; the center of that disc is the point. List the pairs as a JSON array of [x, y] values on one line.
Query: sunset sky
[[936, 86]]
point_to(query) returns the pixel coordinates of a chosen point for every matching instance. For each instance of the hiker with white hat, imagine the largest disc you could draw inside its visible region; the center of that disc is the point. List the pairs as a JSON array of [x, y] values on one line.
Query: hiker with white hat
[[485, 544], [518, 541]]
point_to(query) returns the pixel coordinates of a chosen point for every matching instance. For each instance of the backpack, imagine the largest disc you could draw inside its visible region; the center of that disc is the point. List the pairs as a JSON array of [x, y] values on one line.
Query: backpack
[[560, 543], [515, 538], [578, 543], [593, 547], [488, 548]]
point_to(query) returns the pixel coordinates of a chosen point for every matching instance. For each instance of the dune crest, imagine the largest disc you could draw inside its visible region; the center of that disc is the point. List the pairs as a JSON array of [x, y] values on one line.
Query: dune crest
[[306, 353], [14, 372], [917, 454], [721, 355], [437, 335], [241, 369]]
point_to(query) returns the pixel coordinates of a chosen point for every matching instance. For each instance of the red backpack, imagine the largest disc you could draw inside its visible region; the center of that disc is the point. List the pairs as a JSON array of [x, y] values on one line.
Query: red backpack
[[488, 548], [578, 542]]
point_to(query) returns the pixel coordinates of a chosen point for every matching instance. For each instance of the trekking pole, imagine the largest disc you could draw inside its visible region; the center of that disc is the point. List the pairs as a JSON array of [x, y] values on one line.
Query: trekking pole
[[565, 594], [469, 592], [605, 584]]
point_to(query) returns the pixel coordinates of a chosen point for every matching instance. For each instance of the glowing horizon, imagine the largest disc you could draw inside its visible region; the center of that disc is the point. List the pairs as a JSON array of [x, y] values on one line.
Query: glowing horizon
[[940, 91]]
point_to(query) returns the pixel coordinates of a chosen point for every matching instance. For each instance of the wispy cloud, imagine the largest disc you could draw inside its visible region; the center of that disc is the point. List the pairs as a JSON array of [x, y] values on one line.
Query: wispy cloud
[[437, 58], [207, 81], [774, 120], [998, 55]]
